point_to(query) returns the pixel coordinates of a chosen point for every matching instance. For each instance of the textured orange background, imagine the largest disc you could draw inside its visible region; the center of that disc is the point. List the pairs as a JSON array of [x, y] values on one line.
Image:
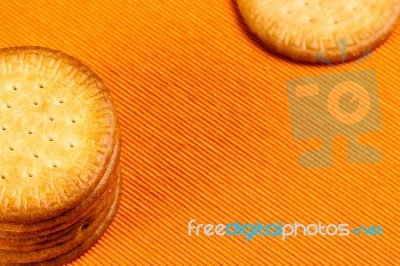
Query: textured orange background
[[207, 136]]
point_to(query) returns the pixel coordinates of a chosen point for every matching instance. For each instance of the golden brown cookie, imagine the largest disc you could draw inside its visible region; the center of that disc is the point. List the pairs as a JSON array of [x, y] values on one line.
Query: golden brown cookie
[[299, 29], [60, 180], [58, 130]]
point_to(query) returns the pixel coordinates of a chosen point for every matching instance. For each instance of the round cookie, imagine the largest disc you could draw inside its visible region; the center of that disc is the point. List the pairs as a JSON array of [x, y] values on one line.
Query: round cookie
[[302, 29], [60, 180], [58, 128]]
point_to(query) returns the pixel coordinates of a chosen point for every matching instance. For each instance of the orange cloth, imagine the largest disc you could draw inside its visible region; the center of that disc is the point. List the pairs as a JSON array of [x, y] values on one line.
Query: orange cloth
[[207, 136]]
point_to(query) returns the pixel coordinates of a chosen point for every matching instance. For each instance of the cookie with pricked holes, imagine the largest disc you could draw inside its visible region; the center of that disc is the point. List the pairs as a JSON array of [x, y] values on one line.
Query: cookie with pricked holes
[[302, 29], [59, 176]]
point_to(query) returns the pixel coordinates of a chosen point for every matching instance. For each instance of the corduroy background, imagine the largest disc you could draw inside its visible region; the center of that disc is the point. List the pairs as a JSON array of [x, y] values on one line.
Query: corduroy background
[[206, 135]]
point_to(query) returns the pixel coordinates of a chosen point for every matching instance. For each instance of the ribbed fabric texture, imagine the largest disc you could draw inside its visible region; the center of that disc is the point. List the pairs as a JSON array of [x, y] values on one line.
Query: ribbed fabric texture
[[206, 132]]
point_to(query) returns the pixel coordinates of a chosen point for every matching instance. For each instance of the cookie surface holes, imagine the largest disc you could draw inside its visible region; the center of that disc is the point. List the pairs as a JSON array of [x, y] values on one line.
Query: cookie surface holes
[[15, 88], [11, 148], [51, 139], [36, 155]]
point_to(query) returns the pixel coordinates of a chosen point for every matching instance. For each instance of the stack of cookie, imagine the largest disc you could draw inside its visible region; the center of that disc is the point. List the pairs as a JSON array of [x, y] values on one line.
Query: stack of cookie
[[59, 175]]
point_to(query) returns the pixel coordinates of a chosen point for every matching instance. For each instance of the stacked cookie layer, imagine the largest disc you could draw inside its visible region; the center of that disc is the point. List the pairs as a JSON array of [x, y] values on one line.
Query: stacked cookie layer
[[59, 175]]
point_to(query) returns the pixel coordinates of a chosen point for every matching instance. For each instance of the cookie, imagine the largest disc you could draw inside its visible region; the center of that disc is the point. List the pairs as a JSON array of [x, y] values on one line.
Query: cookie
[[301, 30], [60, 180], [9, 230], [58, 133]]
